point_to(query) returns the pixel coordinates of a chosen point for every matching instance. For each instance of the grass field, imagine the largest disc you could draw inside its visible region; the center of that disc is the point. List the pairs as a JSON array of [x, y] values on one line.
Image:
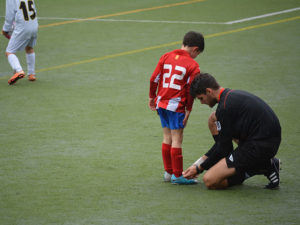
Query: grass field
[[80, 146]]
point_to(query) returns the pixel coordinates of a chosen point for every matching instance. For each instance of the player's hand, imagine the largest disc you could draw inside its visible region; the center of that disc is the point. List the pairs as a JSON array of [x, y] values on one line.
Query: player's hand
[[5, 33], [190, 173], [151, 104], [186, 117]]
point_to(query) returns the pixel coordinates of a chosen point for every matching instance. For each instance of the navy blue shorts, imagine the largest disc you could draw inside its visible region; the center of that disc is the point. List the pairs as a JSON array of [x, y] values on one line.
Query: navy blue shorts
[[170, 119]]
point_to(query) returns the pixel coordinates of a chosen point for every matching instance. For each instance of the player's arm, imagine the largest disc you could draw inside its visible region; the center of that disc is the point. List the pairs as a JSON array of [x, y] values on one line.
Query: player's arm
[[195, 169], [9, 15], [186, 117], [9, 18], [190, 99], [223, 146], [152, 90], [210, 158], [151, 104], [154, 80], [189, 106]]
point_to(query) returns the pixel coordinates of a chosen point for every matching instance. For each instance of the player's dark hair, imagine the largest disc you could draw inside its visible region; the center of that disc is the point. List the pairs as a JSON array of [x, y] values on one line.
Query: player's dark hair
[[201, 82], [192, 39]]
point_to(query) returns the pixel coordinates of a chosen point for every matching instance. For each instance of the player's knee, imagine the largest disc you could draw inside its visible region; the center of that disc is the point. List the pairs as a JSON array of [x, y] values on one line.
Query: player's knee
[[212, 118], [208, 181], [29, 50], [177, 141], [212, 123], [167, 140]]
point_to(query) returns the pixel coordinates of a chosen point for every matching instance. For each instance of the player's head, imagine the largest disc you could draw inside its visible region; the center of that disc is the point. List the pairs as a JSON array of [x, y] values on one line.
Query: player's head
[[204, 87], [194, 39]]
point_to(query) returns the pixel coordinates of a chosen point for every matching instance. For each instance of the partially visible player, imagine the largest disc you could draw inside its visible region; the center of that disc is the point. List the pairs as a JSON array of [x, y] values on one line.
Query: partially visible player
[[24, 35], [169, 95]]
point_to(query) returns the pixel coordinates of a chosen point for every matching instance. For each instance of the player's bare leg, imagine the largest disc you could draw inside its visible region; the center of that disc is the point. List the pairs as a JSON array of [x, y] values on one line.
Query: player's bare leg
[[216, 176], [167, 136], [177, 137]]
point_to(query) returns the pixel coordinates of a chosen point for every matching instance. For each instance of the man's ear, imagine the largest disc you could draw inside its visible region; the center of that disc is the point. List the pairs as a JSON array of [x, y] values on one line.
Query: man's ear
[[209, 91]]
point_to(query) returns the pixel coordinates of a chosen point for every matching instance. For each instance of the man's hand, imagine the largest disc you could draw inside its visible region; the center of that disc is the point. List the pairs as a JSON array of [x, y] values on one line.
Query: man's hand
[[151, 104], [190, 173], [5, 33]]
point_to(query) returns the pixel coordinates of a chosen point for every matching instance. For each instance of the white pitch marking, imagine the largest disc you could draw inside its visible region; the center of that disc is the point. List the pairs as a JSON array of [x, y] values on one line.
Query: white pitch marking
[[175, 22], [263, 16], [183, 22], [135, 21]]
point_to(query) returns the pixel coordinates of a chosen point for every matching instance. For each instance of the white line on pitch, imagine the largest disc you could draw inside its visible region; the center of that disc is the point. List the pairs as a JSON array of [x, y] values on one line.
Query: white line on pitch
[[262, 16], [175, 22], [135, 21]]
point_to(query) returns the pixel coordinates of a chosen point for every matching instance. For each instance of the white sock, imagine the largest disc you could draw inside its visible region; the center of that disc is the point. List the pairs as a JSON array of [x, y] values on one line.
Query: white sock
[[30, 63], [14, 63]]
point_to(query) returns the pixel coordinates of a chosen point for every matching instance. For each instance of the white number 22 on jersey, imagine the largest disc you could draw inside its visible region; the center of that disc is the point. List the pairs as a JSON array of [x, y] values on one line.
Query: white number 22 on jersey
[[173, 76]]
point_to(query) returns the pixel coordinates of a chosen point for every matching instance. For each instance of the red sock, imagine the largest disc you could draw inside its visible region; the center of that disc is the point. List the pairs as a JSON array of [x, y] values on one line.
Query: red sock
[[177, 161], [166, 155]]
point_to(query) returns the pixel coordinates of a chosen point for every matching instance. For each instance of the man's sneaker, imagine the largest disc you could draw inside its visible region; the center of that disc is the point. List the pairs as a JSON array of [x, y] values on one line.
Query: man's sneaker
[[273, 174], [31, 77], [182, 180], [16, 77], [167, 177]]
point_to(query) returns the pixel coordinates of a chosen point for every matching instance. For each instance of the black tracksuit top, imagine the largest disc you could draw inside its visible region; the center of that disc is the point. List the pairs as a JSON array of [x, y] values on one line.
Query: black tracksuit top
[[243, 116]]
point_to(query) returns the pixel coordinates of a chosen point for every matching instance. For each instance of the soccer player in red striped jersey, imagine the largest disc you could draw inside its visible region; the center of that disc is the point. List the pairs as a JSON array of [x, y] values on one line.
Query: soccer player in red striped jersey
[[169, 96]]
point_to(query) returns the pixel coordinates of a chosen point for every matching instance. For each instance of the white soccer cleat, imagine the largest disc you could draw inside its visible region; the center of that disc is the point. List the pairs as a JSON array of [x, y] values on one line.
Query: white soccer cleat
[[167, 177]]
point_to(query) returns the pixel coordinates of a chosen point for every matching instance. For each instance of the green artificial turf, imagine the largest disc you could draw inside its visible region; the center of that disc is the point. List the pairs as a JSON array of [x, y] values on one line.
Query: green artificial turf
[[80, 146]]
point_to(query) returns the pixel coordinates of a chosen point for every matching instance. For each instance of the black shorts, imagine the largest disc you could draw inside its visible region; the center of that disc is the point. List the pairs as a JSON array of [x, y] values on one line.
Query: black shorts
[[251, 158]]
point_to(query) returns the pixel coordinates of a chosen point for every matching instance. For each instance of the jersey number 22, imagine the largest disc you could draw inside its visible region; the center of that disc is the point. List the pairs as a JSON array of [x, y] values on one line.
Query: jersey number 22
[[174, 76]]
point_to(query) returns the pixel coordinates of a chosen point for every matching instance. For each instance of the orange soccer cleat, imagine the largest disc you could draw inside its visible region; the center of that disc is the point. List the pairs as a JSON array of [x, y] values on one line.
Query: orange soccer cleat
[[31, 77], [15, 77]]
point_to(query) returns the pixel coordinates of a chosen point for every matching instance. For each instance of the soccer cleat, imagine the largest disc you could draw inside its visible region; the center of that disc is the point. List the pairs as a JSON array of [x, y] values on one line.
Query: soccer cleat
[[273, 174], [182, 180], [31, 77], [16, 77], [167, 177]]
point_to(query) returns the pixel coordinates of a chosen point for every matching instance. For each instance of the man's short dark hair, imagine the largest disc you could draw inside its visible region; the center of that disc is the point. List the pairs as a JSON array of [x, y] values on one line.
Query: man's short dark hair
[[201, 82], [193, 39]]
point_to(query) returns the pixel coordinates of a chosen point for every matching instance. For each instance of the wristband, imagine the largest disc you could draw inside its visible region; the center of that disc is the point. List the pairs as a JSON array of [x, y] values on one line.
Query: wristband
[[199, 161], [198, 169]]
